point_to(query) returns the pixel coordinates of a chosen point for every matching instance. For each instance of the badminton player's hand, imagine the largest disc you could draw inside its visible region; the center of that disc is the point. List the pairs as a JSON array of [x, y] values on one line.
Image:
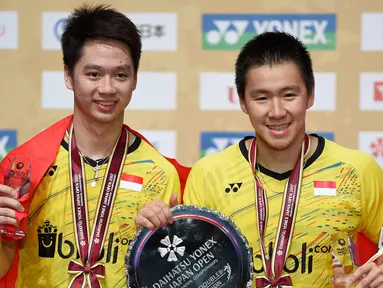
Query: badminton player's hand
[[9, 204], [156, 214], [366, 276]]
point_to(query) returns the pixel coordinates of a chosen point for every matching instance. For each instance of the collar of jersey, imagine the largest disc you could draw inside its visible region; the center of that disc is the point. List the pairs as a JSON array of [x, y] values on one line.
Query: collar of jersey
[[285, 175], [93, 163]]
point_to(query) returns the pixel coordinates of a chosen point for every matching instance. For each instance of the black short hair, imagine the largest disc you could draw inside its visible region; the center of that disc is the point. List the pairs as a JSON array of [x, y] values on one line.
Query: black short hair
[[272, 48], [98, 23]]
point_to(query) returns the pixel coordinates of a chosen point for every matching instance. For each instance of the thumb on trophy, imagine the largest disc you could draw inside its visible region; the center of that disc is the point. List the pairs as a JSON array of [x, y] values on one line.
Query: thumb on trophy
[[174, 200]]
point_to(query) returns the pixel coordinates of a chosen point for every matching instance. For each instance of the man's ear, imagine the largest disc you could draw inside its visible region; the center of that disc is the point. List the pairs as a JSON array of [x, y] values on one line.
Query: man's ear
[[68, 78], [242, 103], [310, 100]]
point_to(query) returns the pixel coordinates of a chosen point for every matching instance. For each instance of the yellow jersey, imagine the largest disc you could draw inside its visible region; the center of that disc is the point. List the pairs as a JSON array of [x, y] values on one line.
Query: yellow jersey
[[224, 182], [51, 245]]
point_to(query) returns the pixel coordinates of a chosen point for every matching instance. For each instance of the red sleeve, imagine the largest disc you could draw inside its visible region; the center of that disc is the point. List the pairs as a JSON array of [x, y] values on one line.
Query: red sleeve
[[42, 149], [183, 173], [366, 248], [9, 280]]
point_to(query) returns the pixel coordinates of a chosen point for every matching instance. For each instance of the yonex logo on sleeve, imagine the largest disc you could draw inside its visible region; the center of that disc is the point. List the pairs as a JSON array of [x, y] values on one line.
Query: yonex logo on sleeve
[[233, 187]]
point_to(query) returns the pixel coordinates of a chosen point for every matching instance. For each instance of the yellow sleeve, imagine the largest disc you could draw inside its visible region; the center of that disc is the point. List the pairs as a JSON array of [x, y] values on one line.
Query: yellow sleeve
[[195, 187], [371, 190], [173, 186]]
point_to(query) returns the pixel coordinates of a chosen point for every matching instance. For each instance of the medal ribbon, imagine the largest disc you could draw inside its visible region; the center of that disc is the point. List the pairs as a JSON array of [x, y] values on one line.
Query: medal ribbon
[[273, 269], [88, 269]]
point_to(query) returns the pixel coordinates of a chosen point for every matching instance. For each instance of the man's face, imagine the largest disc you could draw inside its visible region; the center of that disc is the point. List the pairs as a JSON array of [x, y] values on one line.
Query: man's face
[[103, 81], [276, 101]]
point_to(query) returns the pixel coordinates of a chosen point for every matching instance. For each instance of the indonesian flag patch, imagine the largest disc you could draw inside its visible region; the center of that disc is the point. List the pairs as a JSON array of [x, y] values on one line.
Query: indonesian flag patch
[[131, 182], [325, 188]]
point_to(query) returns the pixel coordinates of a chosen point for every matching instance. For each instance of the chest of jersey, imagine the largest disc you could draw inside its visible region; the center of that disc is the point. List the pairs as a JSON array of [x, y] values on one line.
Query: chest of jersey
[[51, 239], [322, 213]]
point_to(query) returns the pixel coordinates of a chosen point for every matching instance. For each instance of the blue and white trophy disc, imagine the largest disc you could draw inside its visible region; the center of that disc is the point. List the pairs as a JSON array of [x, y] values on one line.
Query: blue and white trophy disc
[[201, 249]]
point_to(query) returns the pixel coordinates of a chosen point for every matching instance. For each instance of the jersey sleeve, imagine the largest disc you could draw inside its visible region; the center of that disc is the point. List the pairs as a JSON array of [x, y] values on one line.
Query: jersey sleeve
[[195, 187], [371, 189]]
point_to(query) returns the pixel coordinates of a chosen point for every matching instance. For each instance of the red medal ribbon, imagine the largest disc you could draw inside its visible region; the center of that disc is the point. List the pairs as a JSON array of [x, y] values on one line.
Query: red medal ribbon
[[88, 270], [273, 269], [284, 281]]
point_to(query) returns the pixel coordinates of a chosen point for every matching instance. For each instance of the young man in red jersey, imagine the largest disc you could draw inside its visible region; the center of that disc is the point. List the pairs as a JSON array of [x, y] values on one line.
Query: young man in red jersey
[[310, 190]]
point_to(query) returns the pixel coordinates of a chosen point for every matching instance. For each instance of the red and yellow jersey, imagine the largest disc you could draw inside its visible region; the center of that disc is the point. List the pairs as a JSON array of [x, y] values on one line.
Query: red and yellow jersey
[[224, 182], [50, 241]]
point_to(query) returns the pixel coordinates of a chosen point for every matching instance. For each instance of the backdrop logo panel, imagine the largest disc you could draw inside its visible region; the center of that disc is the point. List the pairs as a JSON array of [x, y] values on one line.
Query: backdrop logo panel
[[53, 24], [214, 142], [372, 32], [9, 30], [156, 91], [55, 95], [163, 140], [371, 142], [371, 91], [328, 135], [218, 92], [8, 141], [158, 30], [325, 92], [232, 31]]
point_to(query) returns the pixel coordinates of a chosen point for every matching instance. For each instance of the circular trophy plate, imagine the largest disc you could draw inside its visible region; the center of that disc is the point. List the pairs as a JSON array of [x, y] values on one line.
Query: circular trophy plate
[[201, 248]]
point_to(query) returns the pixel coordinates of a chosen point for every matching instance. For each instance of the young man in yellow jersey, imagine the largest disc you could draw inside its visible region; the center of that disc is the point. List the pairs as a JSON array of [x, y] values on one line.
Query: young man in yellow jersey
[[309, 190], [90, 173]]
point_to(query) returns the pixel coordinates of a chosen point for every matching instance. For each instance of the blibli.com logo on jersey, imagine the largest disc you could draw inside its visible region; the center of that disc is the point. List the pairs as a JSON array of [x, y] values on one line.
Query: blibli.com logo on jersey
[[52, 244], [304, 263], [232, 31], [214, 142]]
